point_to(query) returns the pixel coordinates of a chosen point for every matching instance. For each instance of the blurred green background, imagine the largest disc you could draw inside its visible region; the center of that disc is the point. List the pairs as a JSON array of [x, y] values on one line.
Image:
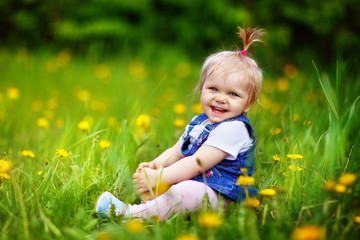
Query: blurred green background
[[299, 30], [76, 73]]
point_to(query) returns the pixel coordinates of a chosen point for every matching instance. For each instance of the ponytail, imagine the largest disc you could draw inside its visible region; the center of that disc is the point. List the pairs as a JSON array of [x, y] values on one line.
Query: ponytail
[[249, 36]]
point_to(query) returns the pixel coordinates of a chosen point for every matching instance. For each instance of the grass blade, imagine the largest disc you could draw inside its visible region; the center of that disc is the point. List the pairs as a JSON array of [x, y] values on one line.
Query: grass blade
[[326, 87]]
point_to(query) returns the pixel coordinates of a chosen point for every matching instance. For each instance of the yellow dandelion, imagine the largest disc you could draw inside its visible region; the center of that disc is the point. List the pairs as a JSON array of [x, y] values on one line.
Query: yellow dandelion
[[155, 112], [4, 175], [83, 95], [170, 94], [28, 153], [268, 86], [52, 103], [340, 188], [210, 220], [310, 232], [62, 153], [43, 122], [329, 185], [252, 202], [13, 93], [135, 226], [275, 108], [138, 70], [196, 108], [49, 114], [103, 236], [294, 168], [63, 57], [36, 106], [51, 65], [265, 101], [296, 117], [39, 173], [180, 108], [290, 71], [244, 171], [357, 219], [306, 123], [102, 71], [83, 125], [98, 106], [182, 70], [156, 218], [179, 123], [112, 121], [282, 84], [104, 144], [245, 180], [275, 131], [276, 158], [143, 121], [267, 192], [46, 162], [295, 156], [347, 179], [60, 122], [95, 105], [5, 166], [280, 189], [162, 188], [188, 237]]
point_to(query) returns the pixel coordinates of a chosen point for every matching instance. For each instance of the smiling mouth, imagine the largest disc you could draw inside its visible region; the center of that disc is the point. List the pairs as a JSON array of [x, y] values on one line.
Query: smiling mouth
[[218, 110]]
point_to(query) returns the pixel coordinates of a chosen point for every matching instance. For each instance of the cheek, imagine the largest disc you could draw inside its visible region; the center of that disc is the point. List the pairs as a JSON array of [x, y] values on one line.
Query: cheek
[[238, 105], [203, 98]]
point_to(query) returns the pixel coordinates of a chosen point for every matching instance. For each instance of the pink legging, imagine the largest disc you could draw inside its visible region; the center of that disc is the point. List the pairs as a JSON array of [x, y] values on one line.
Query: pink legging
[[184, 196]]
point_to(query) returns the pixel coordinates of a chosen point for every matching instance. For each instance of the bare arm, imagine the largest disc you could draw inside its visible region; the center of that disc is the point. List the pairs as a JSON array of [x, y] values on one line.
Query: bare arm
[[183, 169], [189, 167], [168, 157]]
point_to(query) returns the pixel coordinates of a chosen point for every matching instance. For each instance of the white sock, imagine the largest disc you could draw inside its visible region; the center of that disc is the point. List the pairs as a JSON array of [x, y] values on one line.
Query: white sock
[[128, 210]]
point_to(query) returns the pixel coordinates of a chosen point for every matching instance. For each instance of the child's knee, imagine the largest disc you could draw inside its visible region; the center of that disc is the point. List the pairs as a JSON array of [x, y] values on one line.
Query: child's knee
[[193, 189]]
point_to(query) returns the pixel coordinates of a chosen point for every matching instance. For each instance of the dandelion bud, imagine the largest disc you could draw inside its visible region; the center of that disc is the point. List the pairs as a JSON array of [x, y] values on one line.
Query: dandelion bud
[[347, 179]]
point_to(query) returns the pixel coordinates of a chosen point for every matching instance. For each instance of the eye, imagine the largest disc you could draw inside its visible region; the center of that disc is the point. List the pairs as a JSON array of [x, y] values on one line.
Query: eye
[[213, 89], [234, 94]]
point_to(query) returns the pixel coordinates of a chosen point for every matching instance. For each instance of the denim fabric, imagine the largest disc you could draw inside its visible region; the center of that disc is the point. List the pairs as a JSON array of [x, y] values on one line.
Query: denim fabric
[[223, 176]]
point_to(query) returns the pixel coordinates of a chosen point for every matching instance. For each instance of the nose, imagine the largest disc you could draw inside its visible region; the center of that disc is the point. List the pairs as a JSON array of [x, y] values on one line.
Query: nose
[[220, 98]]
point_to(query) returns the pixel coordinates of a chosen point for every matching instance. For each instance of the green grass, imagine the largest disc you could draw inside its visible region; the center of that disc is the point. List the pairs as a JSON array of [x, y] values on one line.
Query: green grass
[[307, 113]]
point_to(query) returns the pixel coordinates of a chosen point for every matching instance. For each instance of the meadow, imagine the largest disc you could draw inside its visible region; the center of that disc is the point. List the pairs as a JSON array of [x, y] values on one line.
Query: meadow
[[72, 127]]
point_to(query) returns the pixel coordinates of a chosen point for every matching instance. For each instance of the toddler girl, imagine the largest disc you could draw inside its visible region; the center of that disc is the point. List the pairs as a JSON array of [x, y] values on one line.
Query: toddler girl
[[215, 148]]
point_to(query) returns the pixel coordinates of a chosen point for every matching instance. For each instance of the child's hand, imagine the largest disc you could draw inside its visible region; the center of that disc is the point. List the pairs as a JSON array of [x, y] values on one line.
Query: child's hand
[[143, 165], [140, 179]]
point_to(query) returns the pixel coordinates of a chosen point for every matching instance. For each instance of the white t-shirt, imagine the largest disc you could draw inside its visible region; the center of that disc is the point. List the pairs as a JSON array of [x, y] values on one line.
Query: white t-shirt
[[231, 137]]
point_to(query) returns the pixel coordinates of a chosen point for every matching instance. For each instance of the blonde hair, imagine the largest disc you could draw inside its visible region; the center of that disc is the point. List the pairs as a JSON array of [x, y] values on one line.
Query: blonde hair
[[224, 63]]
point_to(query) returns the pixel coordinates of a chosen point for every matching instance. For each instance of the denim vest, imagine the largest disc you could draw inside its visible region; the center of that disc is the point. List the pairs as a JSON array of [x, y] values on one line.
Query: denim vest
[[223, 176]]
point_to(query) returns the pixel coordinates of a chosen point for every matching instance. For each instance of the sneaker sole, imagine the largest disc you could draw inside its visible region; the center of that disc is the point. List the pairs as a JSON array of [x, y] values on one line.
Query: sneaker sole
[[99, 200]]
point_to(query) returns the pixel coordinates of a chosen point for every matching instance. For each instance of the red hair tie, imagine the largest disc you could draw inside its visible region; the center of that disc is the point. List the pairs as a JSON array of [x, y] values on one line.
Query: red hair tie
[[244, 52]]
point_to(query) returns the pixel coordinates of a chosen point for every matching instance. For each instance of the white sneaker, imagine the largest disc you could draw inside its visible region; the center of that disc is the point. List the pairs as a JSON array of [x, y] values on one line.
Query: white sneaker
[[104, 202]]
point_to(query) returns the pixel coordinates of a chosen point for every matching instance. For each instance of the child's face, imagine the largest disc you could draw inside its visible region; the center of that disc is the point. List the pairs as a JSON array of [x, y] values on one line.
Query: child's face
[[224, 99]]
